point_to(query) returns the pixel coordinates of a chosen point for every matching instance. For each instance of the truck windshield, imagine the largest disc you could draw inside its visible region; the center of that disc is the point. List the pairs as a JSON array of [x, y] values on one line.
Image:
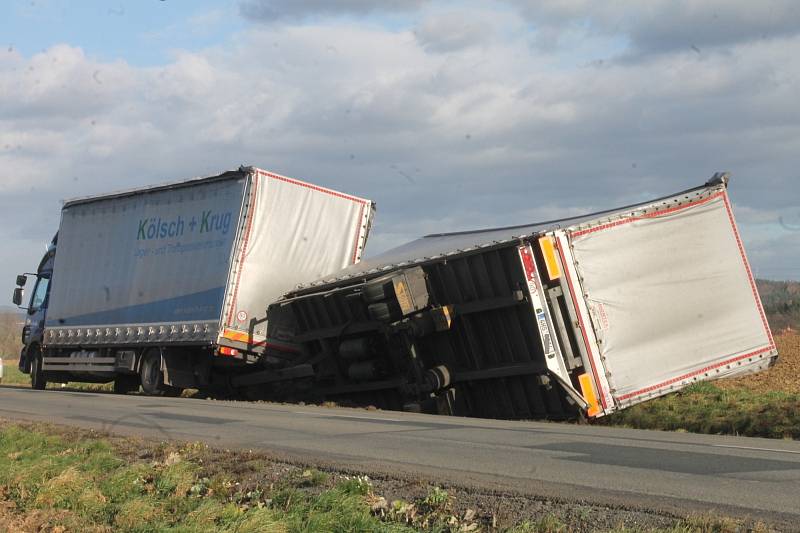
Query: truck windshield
[[39, 294]]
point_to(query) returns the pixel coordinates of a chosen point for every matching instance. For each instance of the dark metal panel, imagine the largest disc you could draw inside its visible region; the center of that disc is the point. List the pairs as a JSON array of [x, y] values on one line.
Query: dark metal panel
[[491, 349]]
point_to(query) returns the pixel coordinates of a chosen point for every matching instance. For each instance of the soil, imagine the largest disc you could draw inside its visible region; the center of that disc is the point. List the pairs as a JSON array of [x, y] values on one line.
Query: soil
[[784, 376]]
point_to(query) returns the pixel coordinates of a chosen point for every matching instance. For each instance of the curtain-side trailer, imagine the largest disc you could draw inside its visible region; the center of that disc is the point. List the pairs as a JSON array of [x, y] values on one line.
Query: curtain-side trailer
[[575, 317], [167, 286]]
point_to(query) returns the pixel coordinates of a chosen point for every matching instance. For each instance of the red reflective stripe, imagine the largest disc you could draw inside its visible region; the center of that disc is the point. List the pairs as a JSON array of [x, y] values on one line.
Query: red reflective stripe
[[310, 186], [749, 272], [583, 326], [250, 216], [646, 215], [695, 373]]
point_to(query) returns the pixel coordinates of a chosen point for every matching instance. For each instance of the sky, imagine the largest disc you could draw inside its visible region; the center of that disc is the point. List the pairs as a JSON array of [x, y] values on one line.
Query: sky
[[450, 115]]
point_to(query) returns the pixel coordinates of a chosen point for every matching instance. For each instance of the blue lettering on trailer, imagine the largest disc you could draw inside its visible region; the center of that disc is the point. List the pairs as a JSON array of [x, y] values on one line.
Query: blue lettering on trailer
[[220, 222], [155, 228], [158, 228]]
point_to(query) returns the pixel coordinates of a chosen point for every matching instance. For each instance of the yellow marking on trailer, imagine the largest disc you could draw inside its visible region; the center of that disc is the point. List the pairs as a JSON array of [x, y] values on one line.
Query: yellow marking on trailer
[[589, 394], [403, 296], [549, 254], [236, 336]]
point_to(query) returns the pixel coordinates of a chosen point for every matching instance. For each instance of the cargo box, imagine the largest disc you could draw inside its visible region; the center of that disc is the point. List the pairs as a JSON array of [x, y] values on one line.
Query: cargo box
[[195, 262]]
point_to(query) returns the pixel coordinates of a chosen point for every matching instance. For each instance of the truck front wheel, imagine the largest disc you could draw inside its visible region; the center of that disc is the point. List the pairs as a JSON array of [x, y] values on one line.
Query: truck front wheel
[[37, 375]]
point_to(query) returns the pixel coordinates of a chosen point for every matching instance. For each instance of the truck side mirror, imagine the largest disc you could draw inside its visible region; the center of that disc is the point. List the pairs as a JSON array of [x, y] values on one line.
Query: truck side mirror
[[22, 279], [19, 293]]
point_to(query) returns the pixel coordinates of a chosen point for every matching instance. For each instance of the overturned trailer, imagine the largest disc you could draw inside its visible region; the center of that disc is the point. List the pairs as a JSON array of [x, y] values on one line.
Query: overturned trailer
[[575, 317]]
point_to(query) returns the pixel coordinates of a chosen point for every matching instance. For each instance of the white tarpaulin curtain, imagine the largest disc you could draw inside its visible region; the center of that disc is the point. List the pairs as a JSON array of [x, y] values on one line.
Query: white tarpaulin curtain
[[299, 232], [671, 298]]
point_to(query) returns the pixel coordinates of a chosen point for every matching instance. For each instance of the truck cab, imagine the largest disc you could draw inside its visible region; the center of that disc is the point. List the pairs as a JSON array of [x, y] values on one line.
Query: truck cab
[[30, 360], [36, 357]]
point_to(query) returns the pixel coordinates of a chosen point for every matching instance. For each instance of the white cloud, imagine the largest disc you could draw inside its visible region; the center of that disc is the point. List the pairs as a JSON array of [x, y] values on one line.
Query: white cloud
[[277, 10], [665, 25], [445, 136], [451, 30]]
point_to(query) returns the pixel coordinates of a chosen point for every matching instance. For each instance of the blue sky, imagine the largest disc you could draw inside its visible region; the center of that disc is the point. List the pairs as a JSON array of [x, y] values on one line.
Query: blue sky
[[451, 115], [142, 32]]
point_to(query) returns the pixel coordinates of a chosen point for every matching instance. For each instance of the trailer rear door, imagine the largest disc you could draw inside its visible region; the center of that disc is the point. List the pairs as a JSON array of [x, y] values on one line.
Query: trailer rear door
[[665, 297]]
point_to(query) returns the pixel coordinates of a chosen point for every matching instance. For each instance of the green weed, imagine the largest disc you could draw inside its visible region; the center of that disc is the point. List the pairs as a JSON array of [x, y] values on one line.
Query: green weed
[[705, 408], [82, 484]]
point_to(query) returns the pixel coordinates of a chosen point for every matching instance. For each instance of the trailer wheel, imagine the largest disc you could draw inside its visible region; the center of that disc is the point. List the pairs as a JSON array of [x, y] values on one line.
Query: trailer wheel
[[150, 373], [152, 377], [37, 375], [385, 312], [375, 292], [126, 383]]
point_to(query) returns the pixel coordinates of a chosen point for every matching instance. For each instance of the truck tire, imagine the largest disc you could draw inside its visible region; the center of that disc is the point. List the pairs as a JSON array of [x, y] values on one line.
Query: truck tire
[[150, 373], [37, 375], [125, 383], [152, 377], [384, 312], [376, 292]]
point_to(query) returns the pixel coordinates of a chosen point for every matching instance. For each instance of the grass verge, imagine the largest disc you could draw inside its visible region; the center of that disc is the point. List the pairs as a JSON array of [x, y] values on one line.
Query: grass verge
[[48, 482], [12, 376], [67, 480], [707, 408]]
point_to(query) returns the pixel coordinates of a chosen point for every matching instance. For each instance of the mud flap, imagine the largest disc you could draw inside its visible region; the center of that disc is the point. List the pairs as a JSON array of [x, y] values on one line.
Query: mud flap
[[24, 365]]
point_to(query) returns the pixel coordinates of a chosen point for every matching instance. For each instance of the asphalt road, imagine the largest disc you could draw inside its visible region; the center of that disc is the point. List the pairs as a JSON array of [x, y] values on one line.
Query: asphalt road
[[673, 472]]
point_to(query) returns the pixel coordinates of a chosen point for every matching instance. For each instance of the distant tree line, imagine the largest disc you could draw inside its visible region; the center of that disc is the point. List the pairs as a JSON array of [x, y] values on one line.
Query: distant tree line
[[781, 301], [10, 333]]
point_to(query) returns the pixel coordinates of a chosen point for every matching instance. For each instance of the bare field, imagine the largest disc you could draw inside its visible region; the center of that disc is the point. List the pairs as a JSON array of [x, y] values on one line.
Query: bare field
[[783, 377]]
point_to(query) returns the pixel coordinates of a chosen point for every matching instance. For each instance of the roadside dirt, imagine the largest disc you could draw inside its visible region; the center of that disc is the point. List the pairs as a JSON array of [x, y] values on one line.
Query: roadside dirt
[[783, 377]]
